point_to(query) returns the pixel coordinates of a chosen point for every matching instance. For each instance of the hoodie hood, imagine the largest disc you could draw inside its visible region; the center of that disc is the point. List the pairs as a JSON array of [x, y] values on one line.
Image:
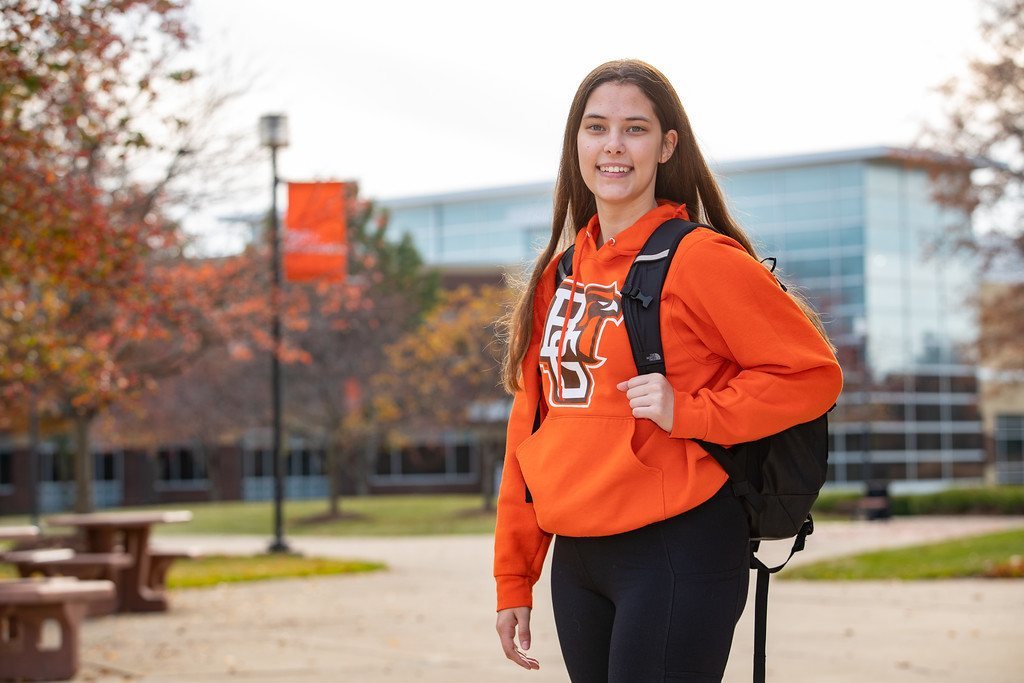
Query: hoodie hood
[[629, 241]]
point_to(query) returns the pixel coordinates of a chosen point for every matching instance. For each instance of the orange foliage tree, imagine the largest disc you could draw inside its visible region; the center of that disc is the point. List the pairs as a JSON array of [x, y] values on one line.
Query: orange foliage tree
[[982, 125], [96, 297], [334, 335], [445, 375], [343, 336]]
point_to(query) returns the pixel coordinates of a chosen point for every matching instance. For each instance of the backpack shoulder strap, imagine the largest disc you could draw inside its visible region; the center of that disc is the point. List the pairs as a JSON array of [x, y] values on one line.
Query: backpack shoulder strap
[[561, 272], [641, 293], [564, 265]]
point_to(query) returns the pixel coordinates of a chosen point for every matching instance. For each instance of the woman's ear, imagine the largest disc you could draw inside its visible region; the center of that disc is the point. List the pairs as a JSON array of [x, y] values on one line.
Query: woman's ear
[[668, 145]]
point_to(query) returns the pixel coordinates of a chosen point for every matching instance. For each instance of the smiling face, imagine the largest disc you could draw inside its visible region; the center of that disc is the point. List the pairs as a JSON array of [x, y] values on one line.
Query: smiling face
[[620, 144]]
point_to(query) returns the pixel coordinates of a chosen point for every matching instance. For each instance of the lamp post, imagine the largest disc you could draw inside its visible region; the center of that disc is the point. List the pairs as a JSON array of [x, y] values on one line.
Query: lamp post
[[274, 134]]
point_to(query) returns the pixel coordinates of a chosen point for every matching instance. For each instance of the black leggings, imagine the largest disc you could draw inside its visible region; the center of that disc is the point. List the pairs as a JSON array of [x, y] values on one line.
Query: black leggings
[[657, 603]]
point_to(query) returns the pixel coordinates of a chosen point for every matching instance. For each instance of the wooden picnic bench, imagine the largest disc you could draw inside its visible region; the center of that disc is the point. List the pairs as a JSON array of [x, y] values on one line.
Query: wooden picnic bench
[[66, 562], [160, 561], [106, 533], [25, 606], [18, 533]]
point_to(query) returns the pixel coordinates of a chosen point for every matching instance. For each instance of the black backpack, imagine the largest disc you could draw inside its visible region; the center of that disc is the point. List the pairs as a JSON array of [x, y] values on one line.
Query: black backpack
[[778, 477]]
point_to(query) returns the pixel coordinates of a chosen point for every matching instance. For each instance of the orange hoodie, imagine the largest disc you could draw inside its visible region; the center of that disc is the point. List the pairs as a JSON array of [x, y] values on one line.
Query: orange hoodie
[[742, 358]]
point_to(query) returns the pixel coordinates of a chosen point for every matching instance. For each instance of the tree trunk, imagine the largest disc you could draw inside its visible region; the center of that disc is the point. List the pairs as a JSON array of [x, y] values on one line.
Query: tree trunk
[[361, 454], [83, 464], [488, 460], [212, 458], [333, 477]]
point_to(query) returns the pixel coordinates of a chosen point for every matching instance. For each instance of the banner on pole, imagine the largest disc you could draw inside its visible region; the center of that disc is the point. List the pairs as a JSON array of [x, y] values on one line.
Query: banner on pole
[[315, 246]]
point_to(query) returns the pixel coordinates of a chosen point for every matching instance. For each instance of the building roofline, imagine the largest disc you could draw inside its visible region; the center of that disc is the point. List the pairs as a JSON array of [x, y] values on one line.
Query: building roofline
[[496, 192], [903, 155]]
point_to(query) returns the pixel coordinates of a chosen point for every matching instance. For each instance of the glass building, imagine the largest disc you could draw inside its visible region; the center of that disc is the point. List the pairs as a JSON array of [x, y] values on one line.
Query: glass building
[[853, 230], [477, 230]]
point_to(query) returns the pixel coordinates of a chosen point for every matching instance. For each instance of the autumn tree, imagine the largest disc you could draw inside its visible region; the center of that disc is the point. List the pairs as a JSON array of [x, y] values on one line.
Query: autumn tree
[[983, 125], [334, 336], [446, 374], [342, 338], [222, 392], [95, 298]]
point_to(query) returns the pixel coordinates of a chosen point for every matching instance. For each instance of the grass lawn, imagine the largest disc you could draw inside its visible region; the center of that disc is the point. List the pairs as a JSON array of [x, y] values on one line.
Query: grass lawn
[[993, 555], [378, 515], [210, 571], [216, 569]]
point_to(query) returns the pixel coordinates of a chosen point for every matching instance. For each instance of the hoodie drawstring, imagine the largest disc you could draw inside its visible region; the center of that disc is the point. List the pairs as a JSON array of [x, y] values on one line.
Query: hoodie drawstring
[[559, 385]]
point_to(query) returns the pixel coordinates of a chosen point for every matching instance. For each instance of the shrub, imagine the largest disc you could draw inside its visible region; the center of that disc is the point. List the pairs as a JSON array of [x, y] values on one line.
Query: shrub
[[992, 500]]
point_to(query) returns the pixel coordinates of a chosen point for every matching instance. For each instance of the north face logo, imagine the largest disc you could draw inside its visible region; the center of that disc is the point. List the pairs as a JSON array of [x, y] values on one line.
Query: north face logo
[[592, 307]]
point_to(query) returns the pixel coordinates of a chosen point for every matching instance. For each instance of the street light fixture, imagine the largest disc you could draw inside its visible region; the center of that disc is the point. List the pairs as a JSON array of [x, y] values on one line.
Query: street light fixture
[[274, 134]]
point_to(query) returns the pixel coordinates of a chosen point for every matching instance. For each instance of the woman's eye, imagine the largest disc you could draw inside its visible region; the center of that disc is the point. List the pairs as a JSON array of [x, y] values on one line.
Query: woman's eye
[[635, 129], [595, 127]]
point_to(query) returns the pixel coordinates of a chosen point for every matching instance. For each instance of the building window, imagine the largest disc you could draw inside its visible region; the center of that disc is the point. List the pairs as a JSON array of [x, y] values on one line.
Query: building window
[[182, 467], [260, 463], [963, 384], [299, 462], [6, 475], [451, 459], [55, 466], [966, 441], [968, 470], [888, 470], [855, 441], [888, 442], [105, 466], [305, 463], [423, 459], [965, 413], [463, 459], [1009, 438]]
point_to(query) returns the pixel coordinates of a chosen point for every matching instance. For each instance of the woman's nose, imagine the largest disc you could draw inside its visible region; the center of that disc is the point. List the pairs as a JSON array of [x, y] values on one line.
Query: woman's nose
[[613, 144]]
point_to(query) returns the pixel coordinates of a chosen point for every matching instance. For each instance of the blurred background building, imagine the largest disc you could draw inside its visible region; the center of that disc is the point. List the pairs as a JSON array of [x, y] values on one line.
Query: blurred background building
[[852, 229], [855, 230]]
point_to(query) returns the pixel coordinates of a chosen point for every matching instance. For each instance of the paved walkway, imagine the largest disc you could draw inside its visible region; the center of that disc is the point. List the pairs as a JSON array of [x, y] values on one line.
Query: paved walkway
[[430, 618]]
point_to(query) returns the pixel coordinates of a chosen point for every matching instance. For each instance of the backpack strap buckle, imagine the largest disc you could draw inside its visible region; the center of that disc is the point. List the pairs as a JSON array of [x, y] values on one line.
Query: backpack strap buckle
[[644, 300]]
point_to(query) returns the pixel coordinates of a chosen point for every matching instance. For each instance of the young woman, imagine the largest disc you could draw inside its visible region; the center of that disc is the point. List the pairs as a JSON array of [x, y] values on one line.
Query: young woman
[[649, 569]]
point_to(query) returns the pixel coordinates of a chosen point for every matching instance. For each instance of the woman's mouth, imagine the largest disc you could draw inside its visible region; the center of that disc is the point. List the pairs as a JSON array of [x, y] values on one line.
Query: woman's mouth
[[614, 170]]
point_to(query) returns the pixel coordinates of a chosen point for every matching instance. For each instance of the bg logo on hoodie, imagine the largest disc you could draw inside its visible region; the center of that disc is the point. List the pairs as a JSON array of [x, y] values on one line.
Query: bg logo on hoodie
[[592, 307]]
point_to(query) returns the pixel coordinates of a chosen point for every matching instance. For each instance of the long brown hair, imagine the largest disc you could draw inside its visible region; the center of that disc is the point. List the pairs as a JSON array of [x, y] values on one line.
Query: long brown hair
[[685, 178]]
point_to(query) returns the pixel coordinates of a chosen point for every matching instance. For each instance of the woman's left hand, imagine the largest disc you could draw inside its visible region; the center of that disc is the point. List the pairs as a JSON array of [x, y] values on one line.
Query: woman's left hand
[[650, 396]]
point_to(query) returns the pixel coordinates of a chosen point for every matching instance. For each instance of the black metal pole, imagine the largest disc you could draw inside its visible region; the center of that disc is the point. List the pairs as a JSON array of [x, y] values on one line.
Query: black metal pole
[[33, 454], [33, 422], [278, 545]]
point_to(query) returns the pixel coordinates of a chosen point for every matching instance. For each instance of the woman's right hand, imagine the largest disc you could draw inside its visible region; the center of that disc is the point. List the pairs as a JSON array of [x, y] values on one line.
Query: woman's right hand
[[509, 621]]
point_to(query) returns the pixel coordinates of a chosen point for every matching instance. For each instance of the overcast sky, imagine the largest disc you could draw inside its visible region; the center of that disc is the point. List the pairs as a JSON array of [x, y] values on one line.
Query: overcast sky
[[422, 97]]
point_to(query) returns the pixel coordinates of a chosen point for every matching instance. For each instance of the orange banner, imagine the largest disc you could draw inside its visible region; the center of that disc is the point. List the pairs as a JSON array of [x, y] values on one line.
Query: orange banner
[[314, 233]]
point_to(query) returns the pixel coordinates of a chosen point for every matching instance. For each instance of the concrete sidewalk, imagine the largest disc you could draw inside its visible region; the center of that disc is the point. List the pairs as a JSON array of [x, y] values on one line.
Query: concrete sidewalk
[[430, 617]]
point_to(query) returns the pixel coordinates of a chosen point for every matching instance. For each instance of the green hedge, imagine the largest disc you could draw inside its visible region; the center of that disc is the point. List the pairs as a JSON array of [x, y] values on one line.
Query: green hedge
[[835, 502], [991, 500], [1001, 500]]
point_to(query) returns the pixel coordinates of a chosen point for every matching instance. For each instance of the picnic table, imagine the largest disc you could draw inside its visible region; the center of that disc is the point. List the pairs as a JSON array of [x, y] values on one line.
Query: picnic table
[[27, 604], [128, 532], [18, 533]]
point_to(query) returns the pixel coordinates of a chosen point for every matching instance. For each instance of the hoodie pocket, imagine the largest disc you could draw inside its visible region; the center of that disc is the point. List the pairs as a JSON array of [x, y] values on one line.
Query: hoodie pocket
[[586, 479]]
